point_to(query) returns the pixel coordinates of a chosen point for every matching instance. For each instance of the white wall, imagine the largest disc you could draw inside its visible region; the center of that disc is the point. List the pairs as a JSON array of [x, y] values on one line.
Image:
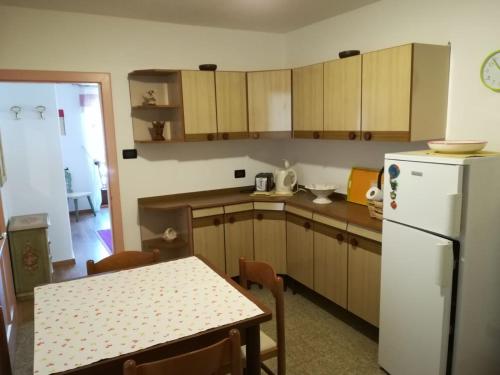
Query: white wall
[[33, 162], [33, 39], [73, 152]]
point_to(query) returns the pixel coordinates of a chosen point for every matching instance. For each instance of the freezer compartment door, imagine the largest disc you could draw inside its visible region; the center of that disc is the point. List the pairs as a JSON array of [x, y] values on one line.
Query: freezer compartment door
[[424, 195], [415, 303]]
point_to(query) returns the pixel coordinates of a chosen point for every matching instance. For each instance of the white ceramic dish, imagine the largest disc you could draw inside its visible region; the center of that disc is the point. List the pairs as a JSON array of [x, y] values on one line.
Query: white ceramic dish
[[321, 192], [456, 147]]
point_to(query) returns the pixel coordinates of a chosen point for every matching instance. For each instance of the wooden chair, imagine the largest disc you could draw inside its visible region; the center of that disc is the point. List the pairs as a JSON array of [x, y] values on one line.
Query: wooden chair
[[5, 366], [123, 260], [263, 274], [213, 359]]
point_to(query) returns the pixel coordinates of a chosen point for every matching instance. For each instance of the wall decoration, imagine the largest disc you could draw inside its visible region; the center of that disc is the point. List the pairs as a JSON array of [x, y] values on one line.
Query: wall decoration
[[490, 71]]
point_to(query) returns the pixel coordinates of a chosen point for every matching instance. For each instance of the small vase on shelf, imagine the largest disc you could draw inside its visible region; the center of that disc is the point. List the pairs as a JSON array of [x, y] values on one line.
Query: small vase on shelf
[[157, 130]]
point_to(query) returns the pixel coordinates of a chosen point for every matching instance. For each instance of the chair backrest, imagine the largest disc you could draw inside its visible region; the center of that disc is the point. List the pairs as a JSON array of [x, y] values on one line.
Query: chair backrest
[[213, 359], [122, 261], [263, 274], [5, 366]]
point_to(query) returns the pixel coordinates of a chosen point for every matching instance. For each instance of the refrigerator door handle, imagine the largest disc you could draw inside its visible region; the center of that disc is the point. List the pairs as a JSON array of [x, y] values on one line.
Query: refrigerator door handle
[[444, 274], [454, 204]]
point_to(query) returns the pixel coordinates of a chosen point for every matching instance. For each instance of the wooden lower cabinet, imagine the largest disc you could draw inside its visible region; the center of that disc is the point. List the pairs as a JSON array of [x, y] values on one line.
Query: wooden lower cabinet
[[330, 263], [208, 239], [364, 278], [238, 232], [299, 251], [269, 233]]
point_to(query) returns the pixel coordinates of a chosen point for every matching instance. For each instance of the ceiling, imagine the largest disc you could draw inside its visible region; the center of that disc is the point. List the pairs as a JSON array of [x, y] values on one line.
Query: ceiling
[[263, 15]]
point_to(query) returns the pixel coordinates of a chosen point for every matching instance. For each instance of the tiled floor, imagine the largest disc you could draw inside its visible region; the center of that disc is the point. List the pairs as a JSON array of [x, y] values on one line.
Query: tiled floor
[[321, 338], [86, 244]]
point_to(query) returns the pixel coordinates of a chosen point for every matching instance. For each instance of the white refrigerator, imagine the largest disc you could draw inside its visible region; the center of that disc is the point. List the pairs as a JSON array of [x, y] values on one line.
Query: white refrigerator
[[440, 287]]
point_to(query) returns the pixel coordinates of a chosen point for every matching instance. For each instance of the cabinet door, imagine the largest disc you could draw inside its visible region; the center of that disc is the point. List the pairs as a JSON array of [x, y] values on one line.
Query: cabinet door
[[343, 98], [308, 101], [269, 231], [198, 94], [364, 278], [231, 94], [238, 230], [299, 250], [208, 239], [270, 103], [330, 263], [386, 94]]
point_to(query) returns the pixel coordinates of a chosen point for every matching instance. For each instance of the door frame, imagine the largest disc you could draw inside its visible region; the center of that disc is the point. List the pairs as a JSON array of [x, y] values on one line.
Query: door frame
[[104, 82]]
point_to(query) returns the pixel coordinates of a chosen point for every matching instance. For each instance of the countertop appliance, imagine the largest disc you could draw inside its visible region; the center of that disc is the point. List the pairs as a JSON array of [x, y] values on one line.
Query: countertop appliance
[[285, 179], [264, 182], [440, 287]]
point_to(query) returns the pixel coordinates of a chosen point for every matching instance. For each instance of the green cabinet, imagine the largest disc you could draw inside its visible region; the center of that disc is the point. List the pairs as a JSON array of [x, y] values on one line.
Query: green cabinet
[[30, 252]]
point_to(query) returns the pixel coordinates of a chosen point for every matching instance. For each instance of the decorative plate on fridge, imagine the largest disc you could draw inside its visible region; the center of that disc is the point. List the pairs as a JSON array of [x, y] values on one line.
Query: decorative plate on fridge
[[457, 147]]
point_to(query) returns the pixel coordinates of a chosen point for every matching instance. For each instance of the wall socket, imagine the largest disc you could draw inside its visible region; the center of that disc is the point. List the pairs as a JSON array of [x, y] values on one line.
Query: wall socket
[[239, 173]]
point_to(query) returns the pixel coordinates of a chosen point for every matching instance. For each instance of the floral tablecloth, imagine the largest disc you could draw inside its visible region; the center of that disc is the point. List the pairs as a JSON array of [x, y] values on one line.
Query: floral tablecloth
[[83, 321]]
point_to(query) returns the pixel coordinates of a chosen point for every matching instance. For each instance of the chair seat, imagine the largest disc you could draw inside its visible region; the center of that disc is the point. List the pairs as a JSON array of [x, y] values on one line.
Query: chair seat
[[75, 195], [268, 348]]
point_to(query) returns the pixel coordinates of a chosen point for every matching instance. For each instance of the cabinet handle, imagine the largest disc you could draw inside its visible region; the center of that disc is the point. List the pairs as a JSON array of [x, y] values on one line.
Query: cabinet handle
[[307, 225], [316, 135], [352, 136], [231, 219], [367, 136], [225, 136], [256, 135], [340, 237], [260, 216], [210, 137], [354, 242], [216, 222]]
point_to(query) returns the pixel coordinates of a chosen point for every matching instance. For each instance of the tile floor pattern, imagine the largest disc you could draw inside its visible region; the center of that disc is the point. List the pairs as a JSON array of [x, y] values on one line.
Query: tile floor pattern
[[317, 341]]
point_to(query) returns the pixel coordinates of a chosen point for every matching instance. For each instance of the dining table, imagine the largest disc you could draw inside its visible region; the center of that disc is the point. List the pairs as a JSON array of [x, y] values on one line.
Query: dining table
[[92, 325]]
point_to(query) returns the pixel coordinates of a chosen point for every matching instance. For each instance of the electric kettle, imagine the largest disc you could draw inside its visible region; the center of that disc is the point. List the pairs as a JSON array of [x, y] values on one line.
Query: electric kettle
[[285, 179]]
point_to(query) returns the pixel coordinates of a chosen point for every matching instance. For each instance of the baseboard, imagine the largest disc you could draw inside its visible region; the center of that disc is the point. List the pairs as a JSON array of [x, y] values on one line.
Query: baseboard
[[66, 262], [80, 212]]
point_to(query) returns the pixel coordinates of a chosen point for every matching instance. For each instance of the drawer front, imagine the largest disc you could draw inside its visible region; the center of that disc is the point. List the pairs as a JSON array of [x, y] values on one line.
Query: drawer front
[[238, 207], [299, 211], [204, 212], [331, 222], [270, 206], [360, 231]]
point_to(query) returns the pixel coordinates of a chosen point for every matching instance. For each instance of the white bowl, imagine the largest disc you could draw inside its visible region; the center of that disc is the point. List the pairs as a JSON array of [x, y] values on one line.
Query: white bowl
[[457, 147], [321, 192]]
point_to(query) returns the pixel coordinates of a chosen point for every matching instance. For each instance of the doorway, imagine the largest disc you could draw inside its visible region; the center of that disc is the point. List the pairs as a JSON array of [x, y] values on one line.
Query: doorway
[[94, 97]]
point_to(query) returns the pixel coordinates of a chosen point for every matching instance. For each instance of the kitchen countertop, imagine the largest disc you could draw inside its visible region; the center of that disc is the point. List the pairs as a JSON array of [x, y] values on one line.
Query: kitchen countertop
[[339, 209]]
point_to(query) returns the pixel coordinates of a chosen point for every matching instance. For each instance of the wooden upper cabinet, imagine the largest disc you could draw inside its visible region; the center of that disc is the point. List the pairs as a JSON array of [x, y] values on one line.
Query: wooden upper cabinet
[[198, 94], [405, 93], [308, 101], [270, 103], [342, 98], [231, 94]]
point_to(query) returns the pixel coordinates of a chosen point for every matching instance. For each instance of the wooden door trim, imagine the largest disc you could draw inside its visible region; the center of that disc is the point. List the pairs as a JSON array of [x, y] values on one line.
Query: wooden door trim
[[104, 81]]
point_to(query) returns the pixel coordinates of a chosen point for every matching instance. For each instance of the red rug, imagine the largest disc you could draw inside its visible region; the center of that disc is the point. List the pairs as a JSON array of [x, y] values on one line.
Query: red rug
[[107, 238]]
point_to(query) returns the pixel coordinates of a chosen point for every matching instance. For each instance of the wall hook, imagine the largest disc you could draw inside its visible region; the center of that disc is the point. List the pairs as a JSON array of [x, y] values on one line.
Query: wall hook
[[41, 109], [17, 110]]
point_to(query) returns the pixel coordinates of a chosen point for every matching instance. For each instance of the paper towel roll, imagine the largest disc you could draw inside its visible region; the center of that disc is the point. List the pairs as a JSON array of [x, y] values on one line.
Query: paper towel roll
[[375, 194]]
